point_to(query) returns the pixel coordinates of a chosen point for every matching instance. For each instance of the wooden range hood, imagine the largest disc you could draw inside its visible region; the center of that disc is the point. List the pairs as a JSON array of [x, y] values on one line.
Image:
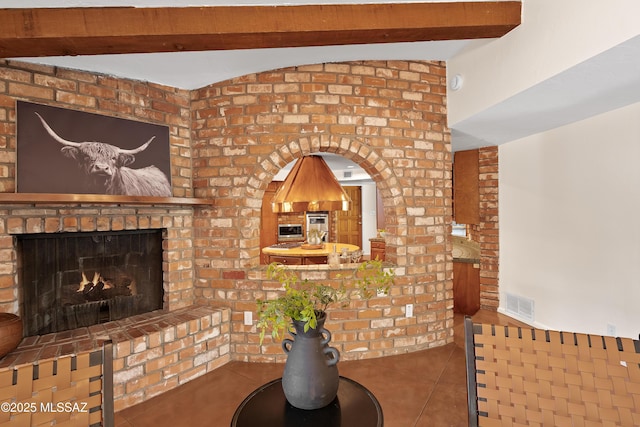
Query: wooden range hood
[[310, 187]]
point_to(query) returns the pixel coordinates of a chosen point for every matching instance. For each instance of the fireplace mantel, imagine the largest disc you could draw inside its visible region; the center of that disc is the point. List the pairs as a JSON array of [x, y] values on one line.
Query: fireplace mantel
[[46, 198]]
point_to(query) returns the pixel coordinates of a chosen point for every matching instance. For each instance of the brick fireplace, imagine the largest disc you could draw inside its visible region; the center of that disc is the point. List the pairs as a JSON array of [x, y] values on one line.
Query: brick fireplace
[[150, 350], [174, 223], [72, 280]]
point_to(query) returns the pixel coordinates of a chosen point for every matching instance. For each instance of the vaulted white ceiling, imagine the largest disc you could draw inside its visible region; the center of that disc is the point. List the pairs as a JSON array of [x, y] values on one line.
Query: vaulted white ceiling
[[193, 70]]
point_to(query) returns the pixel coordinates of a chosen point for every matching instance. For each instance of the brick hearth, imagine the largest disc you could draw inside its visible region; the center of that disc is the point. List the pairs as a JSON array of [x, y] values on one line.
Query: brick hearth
[[153, 352]]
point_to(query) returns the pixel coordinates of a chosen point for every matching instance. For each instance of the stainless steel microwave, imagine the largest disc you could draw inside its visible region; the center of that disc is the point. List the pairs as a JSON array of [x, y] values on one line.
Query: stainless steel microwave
[[289, 231]]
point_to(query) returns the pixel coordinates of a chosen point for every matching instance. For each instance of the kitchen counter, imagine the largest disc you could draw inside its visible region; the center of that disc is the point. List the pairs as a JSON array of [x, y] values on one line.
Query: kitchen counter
[[465, 250], [299, 256]]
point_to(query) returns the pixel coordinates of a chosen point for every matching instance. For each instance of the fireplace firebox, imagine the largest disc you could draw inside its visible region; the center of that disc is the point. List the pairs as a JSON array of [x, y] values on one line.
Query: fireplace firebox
[[73, 280]]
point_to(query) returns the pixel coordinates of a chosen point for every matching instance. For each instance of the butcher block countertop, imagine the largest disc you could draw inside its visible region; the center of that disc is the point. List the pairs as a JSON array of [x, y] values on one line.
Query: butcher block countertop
[[299, 252]]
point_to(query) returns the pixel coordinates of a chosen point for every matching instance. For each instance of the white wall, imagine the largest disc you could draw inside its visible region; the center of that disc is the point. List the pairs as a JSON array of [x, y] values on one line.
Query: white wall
[[570, 224], [369, 229], [554, 36]]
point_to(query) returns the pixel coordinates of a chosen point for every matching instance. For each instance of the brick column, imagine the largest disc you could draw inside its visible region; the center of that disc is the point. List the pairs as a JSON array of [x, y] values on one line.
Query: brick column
[[489, 229]]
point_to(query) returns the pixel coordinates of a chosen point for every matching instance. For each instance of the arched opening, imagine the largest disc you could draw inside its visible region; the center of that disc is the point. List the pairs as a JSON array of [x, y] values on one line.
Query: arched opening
[[359, 227], [356, 227]]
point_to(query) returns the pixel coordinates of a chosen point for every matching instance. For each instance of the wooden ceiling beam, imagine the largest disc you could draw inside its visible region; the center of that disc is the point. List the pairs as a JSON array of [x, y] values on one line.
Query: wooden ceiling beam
[[112, 30]]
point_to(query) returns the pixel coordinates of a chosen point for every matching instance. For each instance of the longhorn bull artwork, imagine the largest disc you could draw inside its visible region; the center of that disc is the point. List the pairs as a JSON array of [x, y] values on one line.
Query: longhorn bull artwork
[[105, 166], [68, 151]]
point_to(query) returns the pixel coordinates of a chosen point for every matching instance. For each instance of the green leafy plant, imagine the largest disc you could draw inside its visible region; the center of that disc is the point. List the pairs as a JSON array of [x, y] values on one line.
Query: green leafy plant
[[305, 300]]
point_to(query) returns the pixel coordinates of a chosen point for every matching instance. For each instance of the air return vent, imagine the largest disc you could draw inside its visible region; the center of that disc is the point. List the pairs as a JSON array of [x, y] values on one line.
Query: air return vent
[[346, 174], [521, 307]]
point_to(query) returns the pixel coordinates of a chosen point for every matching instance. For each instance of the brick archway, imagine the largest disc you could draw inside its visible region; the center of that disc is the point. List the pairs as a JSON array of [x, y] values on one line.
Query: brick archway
[[354, 150], [387, 116]]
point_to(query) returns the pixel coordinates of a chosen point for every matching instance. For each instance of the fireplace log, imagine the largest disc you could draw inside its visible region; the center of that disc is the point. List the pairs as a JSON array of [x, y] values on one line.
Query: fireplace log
[[104, 288]]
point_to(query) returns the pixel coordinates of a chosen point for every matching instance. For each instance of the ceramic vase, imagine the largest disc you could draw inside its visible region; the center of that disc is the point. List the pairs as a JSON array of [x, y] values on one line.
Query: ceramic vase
[[10, 332], [310, 379]]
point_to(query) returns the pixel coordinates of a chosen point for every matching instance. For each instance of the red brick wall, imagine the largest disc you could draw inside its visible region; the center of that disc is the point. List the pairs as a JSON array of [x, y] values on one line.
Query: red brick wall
[[228, 140], [148, 359], [109, 96], [97, 94], [489, 229], [487, 232], [389, 117]]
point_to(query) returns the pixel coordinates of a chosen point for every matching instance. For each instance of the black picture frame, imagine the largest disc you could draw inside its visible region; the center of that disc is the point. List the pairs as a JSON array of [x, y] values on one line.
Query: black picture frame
[[41, 166]]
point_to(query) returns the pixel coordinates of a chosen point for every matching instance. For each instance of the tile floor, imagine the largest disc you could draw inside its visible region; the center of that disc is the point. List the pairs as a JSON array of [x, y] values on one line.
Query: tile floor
[[425, 388]]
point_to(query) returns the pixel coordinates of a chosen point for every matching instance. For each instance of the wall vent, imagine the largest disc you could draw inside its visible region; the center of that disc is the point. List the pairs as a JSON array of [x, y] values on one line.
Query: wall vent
[[521, 307], [346, 174]]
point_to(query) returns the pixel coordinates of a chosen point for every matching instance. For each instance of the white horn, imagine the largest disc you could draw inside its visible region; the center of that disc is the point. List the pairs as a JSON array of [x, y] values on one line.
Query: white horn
[[139, 149], [55, 135]]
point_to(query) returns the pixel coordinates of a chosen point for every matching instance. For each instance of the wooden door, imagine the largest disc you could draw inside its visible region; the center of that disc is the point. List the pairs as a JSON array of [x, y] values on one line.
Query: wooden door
[[349, 226], [380, 220], [466, 288], [466, 194], [268, 221]]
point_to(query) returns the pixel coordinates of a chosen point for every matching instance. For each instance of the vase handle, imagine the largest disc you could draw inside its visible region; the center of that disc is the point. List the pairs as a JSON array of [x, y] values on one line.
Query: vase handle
[[335, 355], [325, 340], [286, 345]]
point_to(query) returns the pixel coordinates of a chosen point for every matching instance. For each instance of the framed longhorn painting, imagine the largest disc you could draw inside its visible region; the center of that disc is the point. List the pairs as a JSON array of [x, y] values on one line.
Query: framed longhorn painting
[[74, 152]]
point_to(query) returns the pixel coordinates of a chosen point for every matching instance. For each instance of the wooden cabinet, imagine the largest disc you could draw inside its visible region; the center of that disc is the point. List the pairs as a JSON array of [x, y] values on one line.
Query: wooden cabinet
[[378, 249], [268, 220], [297, 260], [466, 287], [314, 260], [466, 187], [286, 260]]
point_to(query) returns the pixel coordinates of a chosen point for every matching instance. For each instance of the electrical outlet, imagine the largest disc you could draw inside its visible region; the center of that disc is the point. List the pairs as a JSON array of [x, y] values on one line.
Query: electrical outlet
[[611, 330], [408, 310], [248, 318]]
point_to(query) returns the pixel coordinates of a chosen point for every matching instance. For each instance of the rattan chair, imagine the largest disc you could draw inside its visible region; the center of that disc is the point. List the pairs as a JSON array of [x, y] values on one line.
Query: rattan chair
[[72, 390], [532, 377]]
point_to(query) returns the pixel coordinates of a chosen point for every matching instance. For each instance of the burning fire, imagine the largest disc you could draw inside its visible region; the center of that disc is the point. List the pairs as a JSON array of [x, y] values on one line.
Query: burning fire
[[97, 280]]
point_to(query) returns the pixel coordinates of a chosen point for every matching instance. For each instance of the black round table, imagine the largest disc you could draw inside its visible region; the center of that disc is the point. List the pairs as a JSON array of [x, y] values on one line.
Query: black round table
[[267, 406]]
